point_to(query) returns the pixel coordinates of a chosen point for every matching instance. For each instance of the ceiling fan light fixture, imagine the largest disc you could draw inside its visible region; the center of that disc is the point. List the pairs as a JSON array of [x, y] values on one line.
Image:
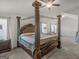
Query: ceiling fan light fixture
[[49, 5]]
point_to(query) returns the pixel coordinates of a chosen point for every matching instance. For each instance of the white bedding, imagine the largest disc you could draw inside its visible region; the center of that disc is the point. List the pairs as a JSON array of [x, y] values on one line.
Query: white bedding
[[31, 38]]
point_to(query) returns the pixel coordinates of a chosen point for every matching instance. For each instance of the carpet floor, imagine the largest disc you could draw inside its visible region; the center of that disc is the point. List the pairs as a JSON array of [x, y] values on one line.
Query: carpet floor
[[69, 50]]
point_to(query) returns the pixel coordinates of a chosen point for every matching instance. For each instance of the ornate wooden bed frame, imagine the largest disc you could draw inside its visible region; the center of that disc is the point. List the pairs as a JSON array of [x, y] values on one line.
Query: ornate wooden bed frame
[[30, 28], [37, 52]]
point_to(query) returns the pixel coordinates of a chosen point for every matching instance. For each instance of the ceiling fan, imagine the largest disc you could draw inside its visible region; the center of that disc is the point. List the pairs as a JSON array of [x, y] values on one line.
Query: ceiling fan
[[48, 3]]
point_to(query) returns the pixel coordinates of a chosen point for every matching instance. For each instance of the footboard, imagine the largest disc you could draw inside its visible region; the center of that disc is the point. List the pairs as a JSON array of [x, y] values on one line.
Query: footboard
[[46, 48]]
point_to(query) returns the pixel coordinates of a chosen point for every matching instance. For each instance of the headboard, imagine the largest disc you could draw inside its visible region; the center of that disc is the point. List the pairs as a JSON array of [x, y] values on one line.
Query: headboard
[[29, 28]]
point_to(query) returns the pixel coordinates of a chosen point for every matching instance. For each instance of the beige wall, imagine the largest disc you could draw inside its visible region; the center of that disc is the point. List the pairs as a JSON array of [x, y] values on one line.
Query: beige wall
[[69, 25]]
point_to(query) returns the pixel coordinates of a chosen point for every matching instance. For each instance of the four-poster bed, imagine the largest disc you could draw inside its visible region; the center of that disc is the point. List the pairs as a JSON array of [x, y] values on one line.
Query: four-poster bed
[[47, 42], [41, 47]]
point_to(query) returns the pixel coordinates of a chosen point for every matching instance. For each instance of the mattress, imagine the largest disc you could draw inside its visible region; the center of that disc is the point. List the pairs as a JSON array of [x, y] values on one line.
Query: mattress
[[31, 38]]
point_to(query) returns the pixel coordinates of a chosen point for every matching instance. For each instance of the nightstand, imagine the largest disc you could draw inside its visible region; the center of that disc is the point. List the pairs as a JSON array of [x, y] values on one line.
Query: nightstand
[[5, 45]]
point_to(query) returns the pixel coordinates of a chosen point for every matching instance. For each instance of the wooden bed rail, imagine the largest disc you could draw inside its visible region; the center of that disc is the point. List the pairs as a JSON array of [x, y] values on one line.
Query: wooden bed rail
[[42, 16]]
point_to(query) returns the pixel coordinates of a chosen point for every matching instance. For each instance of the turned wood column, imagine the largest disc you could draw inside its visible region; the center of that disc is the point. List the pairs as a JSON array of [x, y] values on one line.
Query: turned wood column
[[37, 53], [59, 31], [18, 28]]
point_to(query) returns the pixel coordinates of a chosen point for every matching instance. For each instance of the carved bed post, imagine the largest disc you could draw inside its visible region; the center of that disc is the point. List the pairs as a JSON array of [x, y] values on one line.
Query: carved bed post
[[18, 28], [37, 53], [59, 31]]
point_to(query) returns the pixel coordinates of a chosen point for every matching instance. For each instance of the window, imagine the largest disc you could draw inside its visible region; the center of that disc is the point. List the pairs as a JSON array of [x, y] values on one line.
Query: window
[[53, 28], [44, 27], [3, 29]]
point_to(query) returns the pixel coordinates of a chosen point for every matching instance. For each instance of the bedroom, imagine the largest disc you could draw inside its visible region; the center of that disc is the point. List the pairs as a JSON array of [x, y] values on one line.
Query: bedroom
[[69, 21]]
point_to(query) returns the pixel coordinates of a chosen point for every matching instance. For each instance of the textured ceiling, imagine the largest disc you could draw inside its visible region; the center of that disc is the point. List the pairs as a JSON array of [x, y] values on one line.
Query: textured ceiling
[[24, 7]]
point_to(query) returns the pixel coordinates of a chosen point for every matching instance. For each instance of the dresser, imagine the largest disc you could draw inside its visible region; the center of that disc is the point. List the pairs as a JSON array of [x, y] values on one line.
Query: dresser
[[5, 45]]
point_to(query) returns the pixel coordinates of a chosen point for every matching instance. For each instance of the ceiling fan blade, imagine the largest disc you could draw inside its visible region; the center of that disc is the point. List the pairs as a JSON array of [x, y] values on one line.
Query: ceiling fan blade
[[56, 4]]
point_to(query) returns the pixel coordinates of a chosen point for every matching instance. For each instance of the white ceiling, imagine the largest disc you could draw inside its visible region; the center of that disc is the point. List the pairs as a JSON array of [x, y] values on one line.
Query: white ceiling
[[24, 7]]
